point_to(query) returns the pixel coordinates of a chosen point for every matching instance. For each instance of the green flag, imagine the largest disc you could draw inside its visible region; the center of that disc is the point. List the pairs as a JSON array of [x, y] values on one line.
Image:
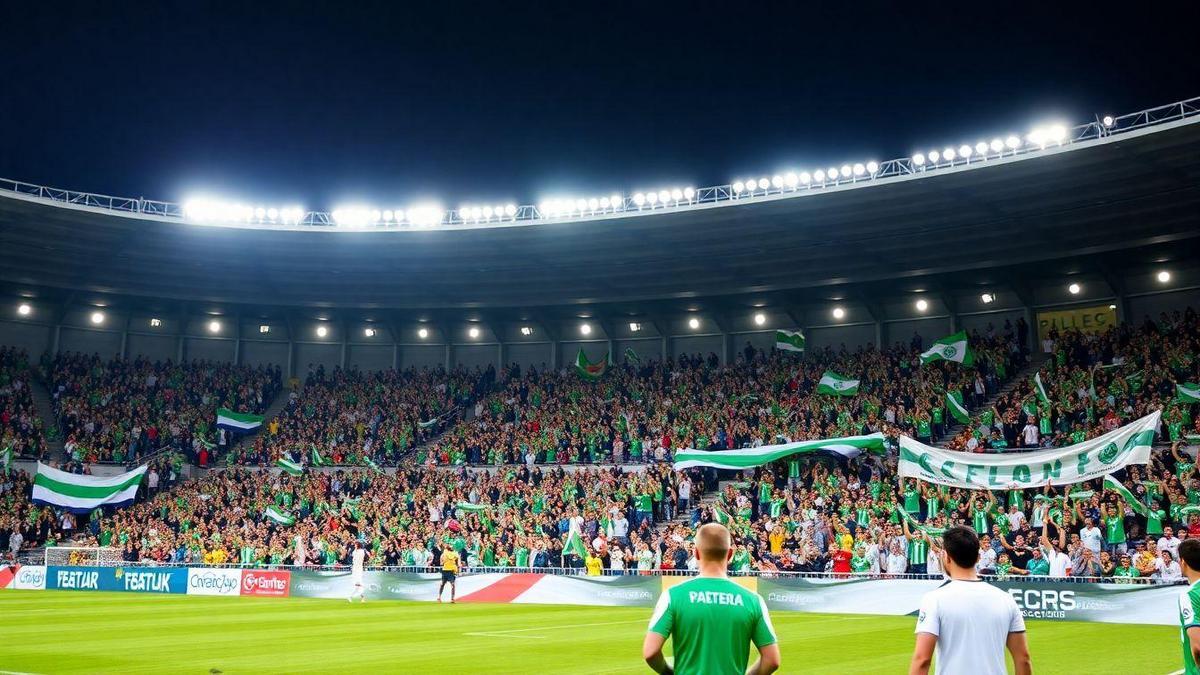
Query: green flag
[[574, 544], [1188, 392], [588, 370], [833, 384], [277, 516], [230, 419], [789, 340], [1041, 388], [316, 458], [957, 410], [632, 356], [1111, 483], [722, 517], [950, 348], [289, 467], [471, 508], [6, 457], [746, 458]]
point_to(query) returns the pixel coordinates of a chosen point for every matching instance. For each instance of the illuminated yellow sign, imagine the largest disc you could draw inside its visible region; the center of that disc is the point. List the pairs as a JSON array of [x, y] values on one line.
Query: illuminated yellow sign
[[1085, 319]]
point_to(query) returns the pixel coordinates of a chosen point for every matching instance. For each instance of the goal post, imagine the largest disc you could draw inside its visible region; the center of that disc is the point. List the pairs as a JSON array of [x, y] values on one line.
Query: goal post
[[88, 556]]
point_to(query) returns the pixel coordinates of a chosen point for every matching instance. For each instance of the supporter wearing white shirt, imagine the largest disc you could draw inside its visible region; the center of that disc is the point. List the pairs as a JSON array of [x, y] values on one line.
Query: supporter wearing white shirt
[[897, 562], [987, 559], [968, 623], [1015, 518], [1166, 568], [616, 558], [1169, 542], [1091, 537], [1030, 435], [1060, 563]]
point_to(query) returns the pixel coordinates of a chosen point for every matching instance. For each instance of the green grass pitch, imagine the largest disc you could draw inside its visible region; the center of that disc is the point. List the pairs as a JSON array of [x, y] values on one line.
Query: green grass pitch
[[71, 632]]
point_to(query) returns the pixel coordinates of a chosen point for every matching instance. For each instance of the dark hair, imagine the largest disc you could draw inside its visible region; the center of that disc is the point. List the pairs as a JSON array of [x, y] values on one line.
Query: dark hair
[[962, 545], [1189, 553]]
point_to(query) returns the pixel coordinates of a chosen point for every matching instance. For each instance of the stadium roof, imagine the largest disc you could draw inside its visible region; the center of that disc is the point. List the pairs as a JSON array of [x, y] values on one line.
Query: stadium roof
[[1105, 206]]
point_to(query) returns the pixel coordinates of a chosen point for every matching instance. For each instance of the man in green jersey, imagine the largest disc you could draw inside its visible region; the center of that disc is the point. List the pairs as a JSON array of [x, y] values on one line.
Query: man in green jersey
[[711, 620], [1189, 606]]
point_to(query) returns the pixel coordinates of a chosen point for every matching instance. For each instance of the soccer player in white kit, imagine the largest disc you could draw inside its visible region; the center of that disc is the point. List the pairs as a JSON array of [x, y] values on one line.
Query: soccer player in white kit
[[966, 620], [356, 573]]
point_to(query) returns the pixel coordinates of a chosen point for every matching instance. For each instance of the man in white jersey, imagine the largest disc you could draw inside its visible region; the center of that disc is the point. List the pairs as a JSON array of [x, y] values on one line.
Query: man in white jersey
[[967, 622], [357, 559]]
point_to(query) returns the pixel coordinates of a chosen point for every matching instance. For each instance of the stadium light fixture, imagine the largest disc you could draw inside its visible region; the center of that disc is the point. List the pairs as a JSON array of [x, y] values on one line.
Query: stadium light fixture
[[860, 169], [155, 323], [97, 318], [872, 167], [839, 313], [948, 153], [997, 145], [1109, 121], [639, 199], [693, 323], [422, 333], [922, 305], [473, 332], [322, 331], [585, 328], [214, 326], [934, 156], [1012, 142], [987, 298], [263, 329], [805, 178], [651, 198], [819, 175], [24, 309], [964, 151], [1074, 289], [526, 330], [919, 159], [369, 332], [1164, 276], [777, 181], [760, 319], [634, 326], [981, 148]]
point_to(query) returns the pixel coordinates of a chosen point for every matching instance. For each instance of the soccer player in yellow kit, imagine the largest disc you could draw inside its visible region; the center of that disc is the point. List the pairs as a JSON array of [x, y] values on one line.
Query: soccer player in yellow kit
[[449, 571]]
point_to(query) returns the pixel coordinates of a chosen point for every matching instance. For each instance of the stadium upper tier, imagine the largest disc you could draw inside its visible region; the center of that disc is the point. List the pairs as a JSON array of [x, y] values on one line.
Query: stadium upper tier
[[1094, 190]]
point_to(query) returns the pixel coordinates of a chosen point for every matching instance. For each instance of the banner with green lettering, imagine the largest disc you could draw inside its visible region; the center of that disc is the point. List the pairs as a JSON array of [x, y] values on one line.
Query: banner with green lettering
[[1091, 459]]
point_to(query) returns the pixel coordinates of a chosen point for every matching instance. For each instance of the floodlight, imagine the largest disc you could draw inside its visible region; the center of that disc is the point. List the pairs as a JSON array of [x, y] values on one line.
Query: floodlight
[[322, 331], [526, 330], [1108, 120], [473, 332], [791, 179], [859, 169], [616, 201], [369, 332], [752, 185], [948, 153], [831, 173], [375, 215], [964, 151], [805, 178], [997, 145], [264, 329], [1057, 133], [399, 215], [634, 326], [919, 159], [688, 193], [922, 305], [872, 167], [738, 186], [1074, 289], [934, 156], [604, 202], [586, 329], [580, 205], [272, 213], [652, 198], [777, 181], [510, 210], [664, 196], [214, 326], [693, 323], [1164, 276], [760, 319], [260, 213], [838, 313], [819, 176], [593, 203], [97, 317], [847, 170], [155, 323], [388, 215], [24, 309], [422, 333], [987, 298], [639, 198], [487, 212], [1012, 142], [981, 148], [763, 183], [677, 194]]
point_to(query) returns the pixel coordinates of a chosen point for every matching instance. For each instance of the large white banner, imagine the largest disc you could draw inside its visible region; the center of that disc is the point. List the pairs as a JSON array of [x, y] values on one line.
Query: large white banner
[[214, 581], [1095, 458]]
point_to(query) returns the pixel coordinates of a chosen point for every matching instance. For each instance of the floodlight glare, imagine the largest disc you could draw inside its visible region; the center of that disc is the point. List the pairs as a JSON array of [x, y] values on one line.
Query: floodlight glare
[[322, 331], [922, 305], [677, 194], [997, 145], [846, 170], [1074, 289], [639, 198], [1108, 120], [872, 167], [981, 148], [634, 326], [762, 183], [369, 332], [805, 178], [616, 201], [760, 319], [375, 215], [422, 333], [260, 213], [919, 159], [604, 202], [693, 323], [24, 309], [964, 151], [752, 185], [272, 213], [859, 169], [214, 326], [987, 298], [487, 212], [791, 179], [388, 215], [652, 198], [1012, 142], [934, 156], [777, 181], [97, 317], [593, 203], [580, 205], [510, 210], [264, 328], [688, 193], [1057, 133], [738, 186], [476, 213], [526, 330], [819, 175], [831, 173], [586, 329], [838, 313], [473, 332], [948, 153], [664, 196], [1164, 276]]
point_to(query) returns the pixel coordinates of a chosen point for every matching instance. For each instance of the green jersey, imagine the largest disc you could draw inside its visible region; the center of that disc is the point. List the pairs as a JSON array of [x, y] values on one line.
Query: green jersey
[[979, 519], [1114, 529], [1189, 608], [712, 623], [912, 500], [918, 551]]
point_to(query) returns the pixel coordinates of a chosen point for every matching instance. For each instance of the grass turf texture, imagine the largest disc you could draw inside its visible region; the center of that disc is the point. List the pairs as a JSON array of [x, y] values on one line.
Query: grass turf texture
[[73, 632]]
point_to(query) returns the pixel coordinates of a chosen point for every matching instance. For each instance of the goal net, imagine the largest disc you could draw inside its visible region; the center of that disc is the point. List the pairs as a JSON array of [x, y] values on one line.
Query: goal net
[[83, 555]]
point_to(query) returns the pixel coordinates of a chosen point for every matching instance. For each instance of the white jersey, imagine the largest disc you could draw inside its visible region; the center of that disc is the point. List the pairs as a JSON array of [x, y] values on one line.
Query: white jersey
[[356, 564], [972, 620]]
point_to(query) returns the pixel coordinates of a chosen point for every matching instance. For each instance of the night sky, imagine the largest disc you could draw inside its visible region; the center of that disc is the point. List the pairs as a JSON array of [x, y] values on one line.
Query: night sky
[[396, 102]]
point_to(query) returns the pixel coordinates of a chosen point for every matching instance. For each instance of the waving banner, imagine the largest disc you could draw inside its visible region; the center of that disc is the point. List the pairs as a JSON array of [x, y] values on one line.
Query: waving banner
[[748, 458], [1095, 458]]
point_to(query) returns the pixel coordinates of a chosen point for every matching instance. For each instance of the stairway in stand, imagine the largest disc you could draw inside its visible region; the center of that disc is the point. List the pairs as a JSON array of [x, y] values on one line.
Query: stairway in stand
[[45, 410]]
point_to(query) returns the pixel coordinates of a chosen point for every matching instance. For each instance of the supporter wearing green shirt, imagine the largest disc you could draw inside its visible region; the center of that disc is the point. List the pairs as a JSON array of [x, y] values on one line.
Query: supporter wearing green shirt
[[711, 620]]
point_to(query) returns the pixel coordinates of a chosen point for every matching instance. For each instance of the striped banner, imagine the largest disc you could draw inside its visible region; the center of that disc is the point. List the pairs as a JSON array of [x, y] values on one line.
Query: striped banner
[[82, 494], [228, 419], [848, 446]]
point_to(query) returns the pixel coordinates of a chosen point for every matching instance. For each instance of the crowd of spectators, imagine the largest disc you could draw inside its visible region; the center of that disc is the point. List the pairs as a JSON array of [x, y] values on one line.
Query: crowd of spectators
[[121, 410], [20, 427]]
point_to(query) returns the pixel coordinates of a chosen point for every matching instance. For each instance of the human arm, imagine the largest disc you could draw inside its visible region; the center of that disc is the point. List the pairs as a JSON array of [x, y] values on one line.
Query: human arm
[[922, 656], [768, 661], [1018, 647], [652, 652]]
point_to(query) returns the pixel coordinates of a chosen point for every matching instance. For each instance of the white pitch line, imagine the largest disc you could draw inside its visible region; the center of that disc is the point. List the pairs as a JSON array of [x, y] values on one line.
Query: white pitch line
[[509, 633], [506, 635], [14, 672]]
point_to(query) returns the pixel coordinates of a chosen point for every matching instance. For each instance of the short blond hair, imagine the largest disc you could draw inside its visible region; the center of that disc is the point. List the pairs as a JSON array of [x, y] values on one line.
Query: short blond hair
[[713, 542]]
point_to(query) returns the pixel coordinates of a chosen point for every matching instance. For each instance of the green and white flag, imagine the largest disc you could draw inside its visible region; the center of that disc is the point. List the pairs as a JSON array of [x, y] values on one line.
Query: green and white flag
[[471, 508], [631, 356], [574, 544], [747, 458], [289, 467], [835, 385], [588, 370], [228, 419], [6, 457], [789, 340], [1041, 388], [951, 348], [372, 465], [315, 457], [957, 410], [722, 517], [275, 515], [82, 494], [1188, 392], [1111, 483], [1084, 461]]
